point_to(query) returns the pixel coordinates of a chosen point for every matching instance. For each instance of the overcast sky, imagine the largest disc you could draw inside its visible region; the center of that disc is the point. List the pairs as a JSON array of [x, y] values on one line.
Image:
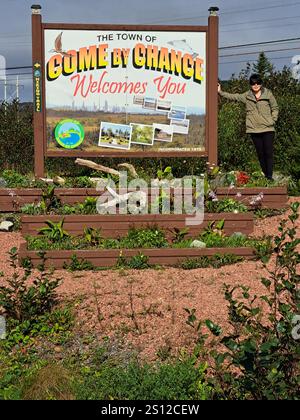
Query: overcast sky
[[241, 22]]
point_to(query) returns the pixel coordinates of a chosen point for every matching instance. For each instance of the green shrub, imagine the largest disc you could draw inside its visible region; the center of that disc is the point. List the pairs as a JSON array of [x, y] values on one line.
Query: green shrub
[[137, 262], [178, 381], [226, 205], [78, 264], [21, 301], [152, 237], [54, 231], [79, 182], [16, 137], [261, 345], [14, 179]]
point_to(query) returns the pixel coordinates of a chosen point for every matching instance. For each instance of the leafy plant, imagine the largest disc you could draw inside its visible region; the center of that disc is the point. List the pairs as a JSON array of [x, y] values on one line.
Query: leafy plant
[[179, 380], [137, 262], [264, 213], [88, 206], [178, 235], [49, 199], [54, 231], [22, 301], [213, 229], [80, 182], [262, 348], [32, 209], [92, 236], [226, 205], [14, 179], [165, 174], [78, 264], [152, 237]]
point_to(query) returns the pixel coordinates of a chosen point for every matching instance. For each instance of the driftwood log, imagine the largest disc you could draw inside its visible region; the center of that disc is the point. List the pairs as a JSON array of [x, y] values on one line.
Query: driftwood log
[[97, 167], [56, 180], [131, 169]]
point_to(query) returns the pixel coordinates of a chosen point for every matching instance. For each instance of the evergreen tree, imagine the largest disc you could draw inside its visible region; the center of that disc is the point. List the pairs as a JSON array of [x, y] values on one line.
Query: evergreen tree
[[263, 67]]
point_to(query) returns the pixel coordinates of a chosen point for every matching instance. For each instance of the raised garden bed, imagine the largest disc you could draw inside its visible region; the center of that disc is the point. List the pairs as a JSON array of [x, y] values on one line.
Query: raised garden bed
[[109, 257], [114, 226], [274, 197], [12, 199]]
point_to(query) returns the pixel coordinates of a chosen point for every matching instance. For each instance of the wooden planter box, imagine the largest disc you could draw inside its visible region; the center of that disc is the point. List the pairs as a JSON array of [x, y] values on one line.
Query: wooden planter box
[[109, 257], [114, 226], [274, 198], [12, 199]]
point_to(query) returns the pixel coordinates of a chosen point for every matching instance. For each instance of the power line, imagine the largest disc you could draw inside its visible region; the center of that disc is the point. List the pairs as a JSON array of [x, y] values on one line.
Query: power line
[[257, 52], [24, 35], [17, 68], [260, 27], [258, 43], [252, 61], [19, 74], [231, 12], [260, 21]]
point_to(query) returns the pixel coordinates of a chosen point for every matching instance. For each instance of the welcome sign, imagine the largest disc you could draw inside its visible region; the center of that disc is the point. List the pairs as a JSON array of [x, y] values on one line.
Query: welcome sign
[[128, 91]]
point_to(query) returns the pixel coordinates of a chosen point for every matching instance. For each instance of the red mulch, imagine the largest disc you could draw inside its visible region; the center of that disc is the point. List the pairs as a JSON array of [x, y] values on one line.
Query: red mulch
[[146, 308]]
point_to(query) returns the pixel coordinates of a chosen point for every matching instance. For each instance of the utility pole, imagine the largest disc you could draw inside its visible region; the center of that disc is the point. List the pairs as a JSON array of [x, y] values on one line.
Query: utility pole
[[5, 90], [17, 88]]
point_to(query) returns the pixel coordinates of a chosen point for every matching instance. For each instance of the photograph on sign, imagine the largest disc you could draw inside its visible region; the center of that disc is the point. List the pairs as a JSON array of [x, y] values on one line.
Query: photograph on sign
[[164, 106], [177, 113], [142, 134], [127, 89], [180, 126], [163, 132], [117, 136]]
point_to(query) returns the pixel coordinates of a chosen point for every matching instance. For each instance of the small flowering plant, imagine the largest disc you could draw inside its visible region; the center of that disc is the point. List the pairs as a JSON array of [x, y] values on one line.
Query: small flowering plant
[[237, 179], [242, 178], [257, 200]]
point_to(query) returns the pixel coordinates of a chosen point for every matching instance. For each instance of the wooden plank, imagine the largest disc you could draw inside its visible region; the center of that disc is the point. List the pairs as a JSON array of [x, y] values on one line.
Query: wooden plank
[[273, 197], [212, 89], [136, 218], [108, 257], [118, 27], [38, 117], [118, 225], [252, 191]]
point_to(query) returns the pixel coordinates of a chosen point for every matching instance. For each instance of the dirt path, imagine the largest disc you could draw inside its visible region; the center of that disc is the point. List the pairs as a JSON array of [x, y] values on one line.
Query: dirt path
[[146, 308]]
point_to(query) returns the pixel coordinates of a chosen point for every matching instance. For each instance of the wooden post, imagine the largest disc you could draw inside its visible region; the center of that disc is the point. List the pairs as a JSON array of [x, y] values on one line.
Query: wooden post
[[213, 47], [38, 93]]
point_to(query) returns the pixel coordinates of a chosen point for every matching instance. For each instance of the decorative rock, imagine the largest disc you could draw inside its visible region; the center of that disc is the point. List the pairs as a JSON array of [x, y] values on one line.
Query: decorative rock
[[3, 183], [2, 328], [5, 226], [238, 235], [198, 244]]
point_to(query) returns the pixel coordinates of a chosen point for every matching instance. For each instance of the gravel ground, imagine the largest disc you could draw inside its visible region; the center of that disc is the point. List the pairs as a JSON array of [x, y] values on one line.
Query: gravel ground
[[147, 308]]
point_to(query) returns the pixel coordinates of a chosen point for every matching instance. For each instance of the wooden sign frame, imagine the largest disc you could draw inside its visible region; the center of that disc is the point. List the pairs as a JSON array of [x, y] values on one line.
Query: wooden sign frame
[[211, 121]]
